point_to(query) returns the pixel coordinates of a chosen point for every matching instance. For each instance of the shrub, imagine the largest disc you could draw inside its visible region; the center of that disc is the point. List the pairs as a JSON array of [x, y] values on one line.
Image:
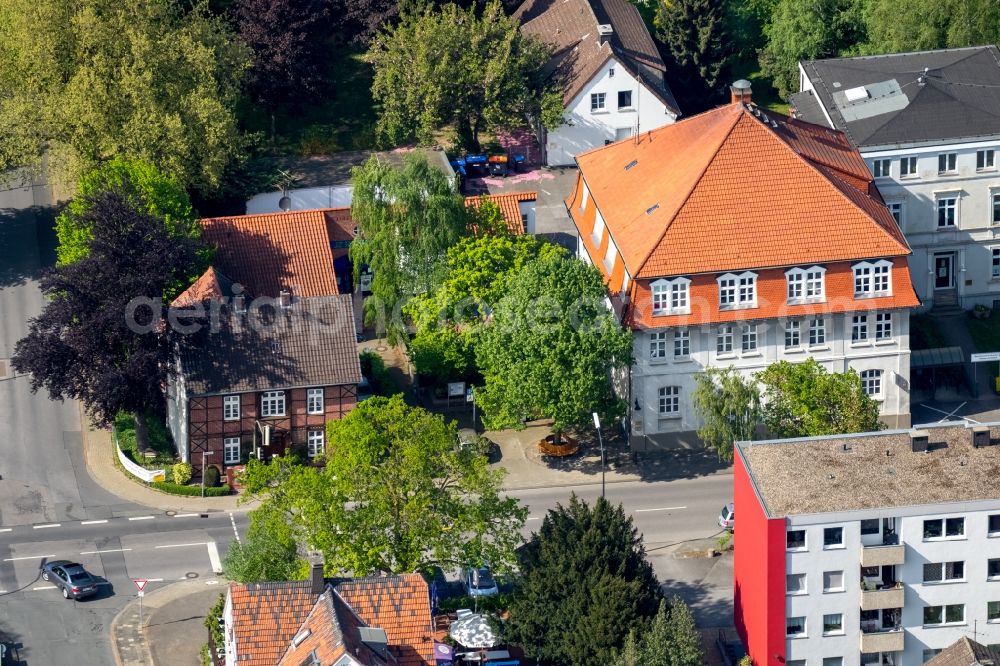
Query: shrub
[[190, 491], [373, 367], [181, 473], [211, 476]]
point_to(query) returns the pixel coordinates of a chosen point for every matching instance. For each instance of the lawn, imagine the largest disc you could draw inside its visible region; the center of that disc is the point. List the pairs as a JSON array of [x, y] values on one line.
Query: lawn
[[764, 94], [985, 333]]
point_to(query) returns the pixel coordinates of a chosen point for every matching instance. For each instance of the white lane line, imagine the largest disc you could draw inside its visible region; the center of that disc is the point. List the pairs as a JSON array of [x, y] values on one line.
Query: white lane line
[[211, 582], [184, 545], [110, 550], [235, 531], [3, 591], [6, 529], [142, 517], [664, 508], [213, 555], [43, 527], [93, 522], [154, 580], [33, 557], [44, 587], [534, 519], [186, 515]]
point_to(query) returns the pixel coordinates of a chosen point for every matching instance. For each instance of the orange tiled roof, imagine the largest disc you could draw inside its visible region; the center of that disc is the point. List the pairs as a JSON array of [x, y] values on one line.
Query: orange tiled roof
[[320, 632], [211, 286], [734, 189], [274, 251], [266, 616], [509, 207]]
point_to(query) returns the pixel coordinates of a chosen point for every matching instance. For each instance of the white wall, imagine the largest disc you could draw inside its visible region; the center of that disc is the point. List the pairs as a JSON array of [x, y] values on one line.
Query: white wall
[[336, 196], [229, 633], [177, 414], [585, 130]]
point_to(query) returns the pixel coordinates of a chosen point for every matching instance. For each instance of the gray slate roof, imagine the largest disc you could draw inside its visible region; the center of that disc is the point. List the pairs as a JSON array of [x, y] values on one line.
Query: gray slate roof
[[312, 344], [958, 97]]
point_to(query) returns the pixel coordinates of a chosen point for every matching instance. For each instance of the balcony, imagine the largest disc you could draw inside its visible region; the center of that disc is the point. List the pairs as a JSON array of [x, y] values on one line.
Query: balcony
[[882, 597], [883, 555], [882, 640]]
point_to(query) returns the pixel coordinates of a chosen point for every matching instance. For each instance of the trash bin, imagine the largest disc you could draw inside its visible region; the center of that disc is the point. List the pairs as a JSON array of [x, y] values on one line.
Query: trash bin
[[498, 165], [518, 162]]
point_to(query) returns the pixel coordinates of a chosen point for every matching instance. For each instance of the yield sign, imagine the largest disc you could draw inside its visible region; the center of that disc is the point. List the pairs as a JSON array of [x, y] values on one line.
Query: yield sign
[[140, 583]]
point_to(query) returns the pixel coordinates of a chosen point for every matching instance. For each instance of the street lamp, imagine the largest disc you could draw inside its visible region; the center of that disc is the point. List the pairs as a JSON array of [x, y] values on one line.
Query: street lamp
[[597, 425]]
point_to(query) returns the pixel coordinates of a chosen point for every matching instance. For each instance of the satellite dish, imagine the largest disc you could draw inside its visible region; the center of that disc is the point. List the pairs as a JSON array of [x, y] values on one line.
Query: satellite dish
[[285, 203]]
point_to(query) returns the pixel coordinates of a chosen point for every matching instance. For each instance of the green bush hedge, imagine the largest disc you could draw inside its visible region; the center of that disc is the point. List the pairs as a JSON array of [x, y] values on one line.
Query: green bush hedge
[[190, 491]]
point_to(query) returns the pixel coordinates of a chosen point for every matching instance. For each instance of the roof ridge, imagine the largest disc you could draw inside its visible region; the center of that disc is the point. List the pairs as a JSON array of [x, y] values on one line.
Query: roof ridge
[[872, 56], [816, 157]]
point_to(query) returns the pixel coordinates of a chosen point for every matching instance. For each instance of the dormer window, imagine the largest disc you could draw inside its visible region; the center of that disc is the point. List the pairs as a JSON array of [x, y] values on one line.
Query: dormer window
[[805, 284], [671, 296], [872, 278], [738, 290]]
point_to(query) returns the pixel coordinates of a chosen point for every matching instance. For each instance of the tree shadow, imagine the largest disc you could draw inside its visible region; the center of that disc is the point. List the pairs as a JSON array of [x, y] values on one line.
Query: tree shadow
[[27, 244], [12, 652], [708, 610]]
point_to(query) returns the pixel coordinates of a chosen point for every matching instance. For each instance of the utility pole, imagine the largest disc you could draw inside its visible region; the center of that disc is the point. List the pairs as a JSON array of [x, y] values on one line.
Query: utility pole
[[597, 425], [203, 473]]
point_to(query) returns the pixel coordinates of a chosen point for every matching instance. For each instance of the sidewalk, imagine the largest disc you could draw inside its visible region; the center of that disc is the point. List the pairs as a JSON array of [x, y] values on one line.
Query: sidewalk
[[172, 629]]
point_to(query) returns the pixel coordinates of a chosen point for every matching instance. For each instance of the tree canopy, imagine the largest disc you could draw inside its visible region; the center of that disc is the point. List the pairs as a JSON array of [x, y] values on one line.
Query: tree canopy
[[397, 494], [468, 67], [695, 33], [267, 553], [671, 640], [729, 407], [90, 343], [585, 584], [156, 81], [551, 348]]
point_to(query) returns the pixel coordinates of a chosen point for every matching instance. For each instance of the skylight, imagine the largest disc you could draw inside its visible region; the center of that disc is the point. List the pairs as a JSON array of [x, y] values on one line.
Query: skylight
[[631, 164], [856, 94], [652, 208]]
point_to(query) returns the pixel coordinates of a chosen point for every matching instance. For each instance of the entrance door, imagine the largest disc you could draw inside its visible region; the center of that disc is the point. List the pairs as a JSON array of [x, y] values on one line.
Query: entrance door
[[943, 274]]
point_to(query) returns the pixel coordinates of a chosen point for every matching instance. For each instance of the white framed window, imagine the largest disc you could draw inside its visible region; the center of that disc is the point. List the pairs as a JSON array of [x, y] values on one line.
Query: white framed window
[[907, 167], [993, 569], [598, 231], [793, 334], [314, 401], [882, 168], [993, 611], [795, 627], [231, 408], [883, 326], [995, 207], [833, 661], [817, 332], [871, 383], [748, 338], [805, 284], [724, 340], [993, 525], [896, 208], [671, 296], [682, 343], [833, 624], [947, 162], [872, 278], [598, 102], [859, 328], [610, 255], [995, 262], [624, 99], [944, 528], [833, 581], [795, 540], [727, 290], [737, 290], [231, 450], [985, 160], [658, 344], [947, 211], [670, 400], [272, 403], [948, 614], [833, 537], [795, 584], [315, 440], [941, 572]]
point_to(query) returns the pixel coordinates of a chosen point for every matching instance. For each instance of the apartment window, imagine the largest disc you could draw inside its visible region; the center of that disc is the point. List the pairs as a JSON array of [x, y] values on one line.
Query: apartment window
[[817, 332], [883, 326], [833, 623], [724, 340], [896, 208], [597, 102], [946, 162], [833, 661], [985, 159], [833, 581], [993, 526], [727, 291], [748, 338], [796, 662], [907, 167], [795, 627], [748, 289], [946, 207], [870, 526], [795, 584], [624, 99], [996, 207], [737, 290], [882, 168], [859, 328], [993, 611], [949, 614], [871, 383], [993, 568], [231, 408], [682, 344], [314, 401], [872, 278], [670, 296], [231, 450], [936, 572], [833, 537], [315, 443], [658, 344], [939, 528], [995, 266], [670, 400], [795, 540], [272, 403], [805, 283], [793, 336], [679, 295]]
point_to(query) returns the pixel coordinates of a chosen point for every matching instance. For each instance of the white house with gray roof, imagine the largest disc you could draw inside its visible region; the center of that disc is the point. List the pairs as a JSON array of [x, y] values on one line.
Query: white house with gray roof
[[928, 125]]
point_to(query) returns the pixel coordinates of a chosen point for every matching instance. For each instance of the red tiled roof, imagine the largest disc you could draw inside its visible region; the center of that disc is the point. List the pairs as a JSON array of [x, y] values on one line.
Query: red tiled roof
[[509, 206], [266, 616], [209, 287], [320, 633]]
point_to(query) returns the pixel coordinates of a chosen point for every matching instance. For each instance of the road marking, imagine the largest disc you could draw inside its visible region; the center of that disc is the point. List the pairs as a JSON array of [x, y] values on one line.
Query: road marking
[[534, 519], [33, 557], [110, 550], [94, 522], [45, 587], [42, 527], [142, 517], [185, 515], [185, 545], [665, 508], [211, 582], [213, 555], [6, 529], [154, 580], [235, 531]]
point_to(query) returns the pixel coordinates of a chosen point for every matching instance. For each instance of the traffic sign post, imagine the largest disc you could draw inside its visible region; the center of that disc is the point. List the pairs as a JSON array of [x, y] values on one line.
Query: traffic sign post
[[140, 583]]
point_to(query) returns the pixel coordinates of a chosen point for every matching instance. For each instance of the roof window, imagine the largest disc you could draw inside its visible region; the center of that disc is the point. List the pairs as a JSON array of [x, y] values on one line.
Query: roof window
[[631, 164], [856, 94], [650, 210]]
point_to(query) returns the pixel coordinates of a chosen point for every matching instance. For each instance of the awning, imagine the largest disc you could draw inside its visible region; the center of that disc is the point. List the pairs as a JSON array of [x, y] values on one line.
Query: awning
[[936, 358], [443, 652]]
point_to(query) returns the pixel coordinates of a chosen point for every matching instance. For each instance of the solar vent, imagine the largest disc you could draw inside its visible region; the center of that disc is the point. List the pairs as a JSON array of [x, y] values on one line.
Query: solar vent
[[631, 164], [652, 208]]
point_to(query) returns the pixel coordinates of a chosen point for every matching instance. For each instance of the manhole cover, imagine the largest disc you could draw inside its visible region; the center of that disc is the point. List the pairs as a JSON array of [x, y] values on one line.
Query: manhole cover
[[190, 574], [171, 513], [381, 348]]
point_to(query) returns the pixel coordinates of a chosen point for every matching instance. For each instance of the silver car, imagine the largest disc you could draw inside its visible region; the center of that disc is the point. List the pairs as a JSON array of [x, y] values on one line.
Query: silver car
[[727, 518], [71, 578], [479, 582]]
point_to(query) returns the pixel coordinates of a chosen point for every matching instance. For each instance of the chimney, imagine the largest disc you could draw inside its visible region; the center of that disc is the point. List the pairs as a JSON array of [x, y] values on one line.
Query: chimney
[[316, 574], [739, 92], [604, 32], [285, 299]]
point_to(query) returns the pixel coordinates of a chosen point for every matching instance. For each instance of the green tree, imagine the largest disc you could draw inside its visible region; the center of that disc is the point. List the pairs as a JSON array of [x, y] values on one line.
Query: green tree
[[468, 67], [443, 354], [729, 408], [671, 640], [804, 400], [551, 348], [92, 79], [695, 33], [930, 24], [397, 494], [268, 553], [407, 219], [585, 585]]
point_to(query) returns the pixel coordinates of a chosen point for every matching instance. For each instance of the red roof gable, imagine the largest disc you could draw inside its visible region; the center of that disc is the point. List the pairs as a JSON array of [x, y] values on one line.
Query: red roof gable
[[509, 206]]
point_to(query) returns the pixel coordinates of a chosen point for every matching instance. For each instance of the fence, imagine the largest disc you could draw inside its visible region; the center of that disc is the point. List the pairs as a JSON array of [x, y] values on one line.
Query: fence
[[147, 475]]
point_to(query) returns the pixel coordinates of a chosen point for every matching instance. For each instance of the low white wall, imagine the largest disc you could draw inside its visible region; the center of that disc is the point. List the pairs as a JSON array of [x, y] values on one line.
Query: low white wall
[[147, 475]]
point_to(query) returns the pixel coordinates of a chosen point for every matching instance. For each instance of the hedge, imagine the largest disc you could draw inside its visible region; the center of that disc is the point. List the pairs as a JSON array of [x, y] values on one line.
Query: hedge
[[190, 491]]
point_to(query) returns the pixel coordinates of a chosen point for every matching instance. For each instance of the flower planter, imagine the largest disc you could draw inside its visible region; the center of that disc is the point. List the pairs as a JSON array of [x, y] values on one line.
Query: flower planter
[[566, 447]]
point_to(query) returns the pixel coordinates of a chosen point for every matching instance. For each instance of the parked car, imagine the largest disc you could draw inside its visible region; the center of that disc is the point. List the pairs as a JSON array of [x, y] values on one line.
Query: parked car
[[479, 582], [70, 577], [727, 518]]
